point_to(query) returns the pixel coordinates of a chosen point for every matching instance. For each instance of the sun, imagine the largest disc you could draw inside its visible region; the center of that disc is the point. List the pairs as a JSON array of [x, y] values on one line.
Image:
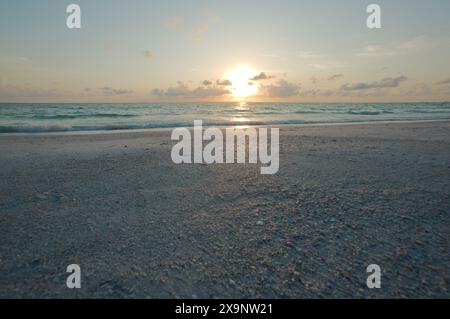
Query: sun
[[240, 77]]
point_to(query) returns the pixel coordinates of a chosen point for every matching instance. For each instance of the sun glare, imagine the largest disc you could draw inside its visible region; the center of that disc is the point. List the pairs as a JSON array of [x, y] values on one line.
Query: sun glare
[[240, 78]]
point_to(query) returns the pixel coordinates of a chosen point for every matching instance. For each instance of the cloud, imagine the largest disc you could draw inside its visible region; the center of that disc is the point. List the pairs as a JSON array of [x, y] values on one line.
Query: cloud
[[310, 93], [328, 93], [148, 54], [281, 89], [173, 22], [203, 27], [209, 92], [200, 30], [261, 76], [270, 55], [335, 77], [207, 83], [112, 91], [419, 89], [422, 91], [17, 61], [318, 61], [326, 65], [224, 82], [444, 82], [383, 84], [316, 93], [309, 55], [158, 92], [378, 51], [182, 90], [396, 49], [418, 43], [12, 91]]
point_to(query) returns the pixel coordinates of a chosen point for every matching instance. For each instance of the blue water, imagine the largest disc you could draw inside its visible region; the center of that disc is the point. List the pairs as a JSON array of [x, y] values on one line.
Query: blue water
[[33, 118]]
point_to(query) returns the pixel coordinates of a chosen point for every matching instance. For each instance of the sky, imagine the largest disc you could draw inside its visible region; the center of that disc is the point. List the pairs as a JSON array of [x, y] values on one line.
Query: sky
[[206, 50]]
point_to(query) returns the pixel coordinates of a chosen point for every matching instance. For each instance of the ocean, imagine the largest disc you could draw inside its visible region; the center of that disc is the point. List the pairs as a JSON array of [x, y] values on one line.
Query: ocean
[[40, 118]]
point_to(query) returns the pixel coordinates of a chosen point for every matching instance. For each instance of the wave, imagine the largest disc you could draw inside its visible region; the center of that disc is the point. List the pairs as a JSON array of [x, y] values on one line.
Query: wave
[[74, 128], [38, 118], [78, 116], [120, 127], [369, 112], [308, 112], [428, 111]]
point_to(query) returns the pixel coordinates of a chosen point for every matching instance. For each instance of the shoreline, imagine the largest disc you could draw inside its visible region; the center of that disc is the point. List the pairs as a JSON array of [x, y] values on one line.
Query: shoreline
[[165, 129]]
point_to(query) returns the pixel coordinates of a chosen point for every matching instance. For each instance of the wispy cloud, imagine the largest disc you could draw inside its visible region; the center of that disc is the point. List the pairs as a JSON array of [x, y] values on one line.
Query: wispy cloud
[[184, 91], [199, 31], [326, 65], [332, 77], [444, 82], [13, 91], [335, 77], [378, 51], [270, 55], [316, 93], [109, 91], [382, 84], [309, 55], [395, 49], [17, 63], [317, 60], [173, 22]]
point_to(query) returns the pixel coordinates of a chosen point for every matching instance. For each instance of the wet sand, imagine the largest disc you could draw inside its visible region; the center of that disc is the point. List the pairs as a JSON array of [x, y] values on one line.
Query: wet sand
[[142, 227]]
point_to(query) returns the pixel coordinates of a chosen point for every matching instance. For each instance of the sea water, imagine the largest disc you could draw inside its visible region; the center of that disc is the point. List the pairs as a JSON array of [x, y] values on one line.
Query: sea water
[[38, 118]]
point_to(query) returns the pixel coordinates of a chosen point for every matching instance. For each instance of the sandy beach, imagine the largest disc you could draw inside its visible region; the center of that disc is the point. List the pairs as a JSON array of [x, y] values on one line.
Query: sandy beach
[[345, 196]]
